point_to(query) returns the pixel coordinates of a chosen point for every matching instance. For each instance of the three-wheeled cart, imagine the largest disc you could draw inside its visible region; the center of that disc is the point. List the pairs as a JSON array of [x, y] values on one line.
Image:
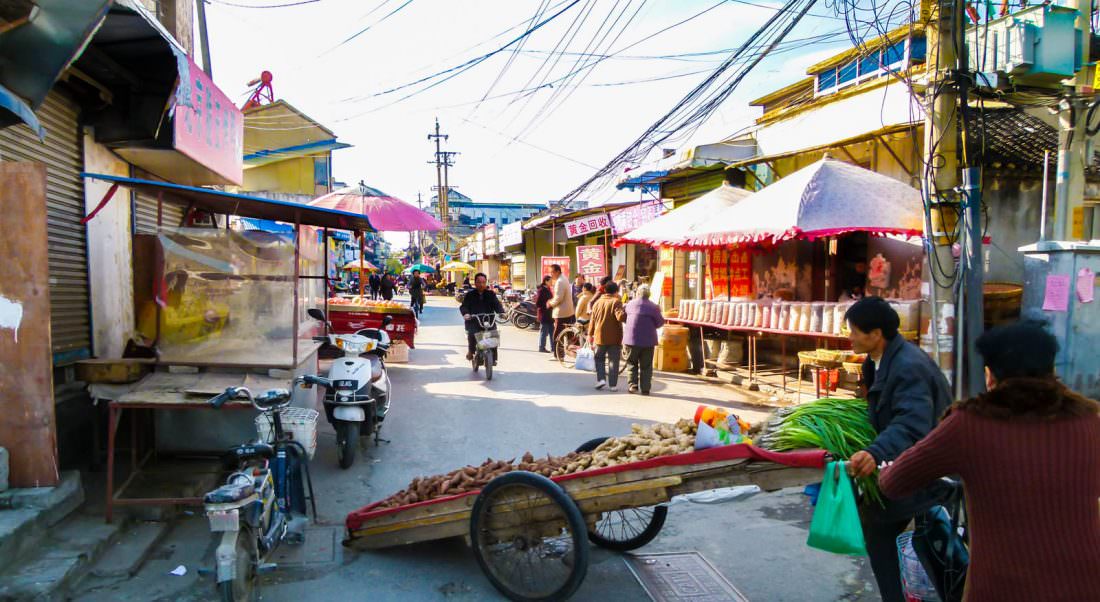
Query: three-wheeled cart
[[530, 533]]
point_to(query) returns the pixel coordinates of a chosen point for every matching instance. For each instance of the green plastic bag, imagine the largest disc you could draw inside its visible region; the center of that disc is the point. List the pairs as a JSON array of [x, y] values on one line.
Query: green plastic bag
[[835, 526]]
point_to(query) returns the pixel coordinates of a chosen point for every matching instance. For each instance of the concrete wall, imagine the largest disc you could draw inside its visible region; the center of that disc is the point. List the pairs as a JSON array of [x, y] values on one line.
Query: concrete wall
[[290, 176], [110, 268]]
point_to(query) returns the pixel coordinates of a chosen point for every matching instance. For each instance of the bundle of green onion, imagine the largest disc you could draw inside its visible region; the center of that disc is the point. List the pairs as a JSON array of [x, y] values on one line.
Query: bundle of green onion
[[839, 426]]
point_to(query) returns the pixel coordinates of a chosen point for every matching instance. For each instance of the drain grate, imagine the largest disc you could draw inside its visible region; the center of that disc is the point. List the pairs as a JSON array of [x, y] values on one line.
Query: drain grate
[[682, 577]]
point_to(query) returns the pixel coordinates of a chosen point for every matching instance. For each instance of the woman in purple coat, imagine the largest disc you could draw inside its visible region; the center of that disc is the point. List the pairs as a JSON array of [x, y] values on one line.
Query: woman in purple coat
[[643, 318]]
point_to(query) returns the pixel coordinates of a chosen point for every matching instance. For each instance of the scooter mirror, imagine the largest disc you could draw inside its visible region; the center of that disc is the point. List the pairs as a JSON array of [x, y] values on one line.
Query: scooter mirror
[[316, 314], [386, 320]]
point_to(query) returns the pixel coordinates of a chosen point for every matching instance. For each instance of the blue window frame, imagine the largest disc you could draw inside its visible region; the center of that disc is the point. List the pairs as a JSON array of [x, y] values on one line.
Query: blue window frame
[[869, 64], [826, 80], [918, 49], [894, 53], [320, 171], [846, 73]]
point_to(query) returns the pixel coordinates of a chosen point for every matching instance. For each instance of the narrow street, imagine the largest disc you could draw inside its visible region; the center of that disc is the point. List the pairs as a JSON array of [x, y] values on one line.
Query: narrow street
[[444, 416]]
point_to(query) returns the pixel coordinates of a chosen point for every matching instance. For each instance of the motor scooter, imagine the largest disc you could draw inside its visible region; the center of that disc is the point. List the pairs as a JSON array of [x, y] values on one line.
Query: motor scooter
[[357, 388], [523, 314]]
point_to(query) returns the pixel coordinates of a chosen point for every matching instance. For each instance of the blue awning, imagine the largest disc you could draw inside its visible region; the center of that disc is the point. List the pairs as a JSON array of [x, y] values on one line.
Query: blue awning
[[227, 203], [265, 225], [18, 112], [645, 180]]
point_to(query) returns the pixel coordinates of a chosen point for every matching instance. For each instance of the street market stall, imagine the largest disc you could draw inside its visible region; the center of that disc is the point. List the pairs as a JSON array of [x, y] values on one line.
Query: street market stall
[[786, 262], [216, 307], [349, 315], [529, 524]]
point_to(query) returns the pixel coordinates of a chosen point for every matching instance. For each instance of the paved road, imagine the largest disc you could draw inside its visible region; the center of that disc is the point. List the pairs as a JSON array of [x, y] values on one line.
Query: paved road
[[444, 416]]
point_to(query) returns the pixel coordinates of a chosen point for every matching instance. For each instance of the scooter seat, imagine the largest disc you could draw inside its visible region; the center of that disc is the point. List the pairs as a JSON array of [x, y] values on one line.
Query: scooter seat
[[229, 493]]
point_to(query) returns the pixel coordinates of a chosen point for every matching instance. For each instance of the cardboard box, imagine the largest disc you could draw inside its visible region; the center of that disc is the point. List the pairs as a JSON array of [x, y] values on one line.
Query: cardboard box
[[398, 353], [671, 360]]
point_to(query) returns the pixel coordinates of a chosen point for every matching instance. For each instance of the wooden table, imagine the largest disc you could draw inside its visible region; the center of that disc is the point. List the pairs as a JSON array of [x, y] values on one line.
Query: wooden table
[[754, 333], [167, 391]]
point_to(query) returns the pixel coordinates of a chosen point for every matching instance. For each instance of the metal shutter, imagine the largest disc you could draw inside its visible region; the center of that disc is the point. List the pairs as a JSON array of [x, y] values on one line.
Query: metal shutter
[[61, 152], [145, 213]]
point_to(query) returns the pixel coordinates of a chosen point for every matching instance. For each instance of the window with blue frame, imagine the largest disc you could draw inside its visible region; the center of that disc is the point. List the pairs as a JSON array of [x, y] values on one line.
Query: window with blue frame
[[846, 72], [826, 80], [918, 49], [894, 53], [869, 64]]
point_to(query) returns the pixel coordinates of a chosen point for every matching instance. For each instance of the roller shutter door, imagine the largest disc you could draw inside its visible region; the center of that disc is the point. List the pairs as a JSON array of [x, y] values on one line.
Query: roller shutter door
[[145, 213], [62, 155]]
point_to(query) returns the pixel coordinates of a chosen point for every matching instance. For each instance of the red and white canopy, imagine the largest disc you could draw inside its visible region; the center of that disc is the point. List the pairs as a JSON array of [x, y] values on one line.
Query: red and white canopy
[[672, 228], [824, 199]]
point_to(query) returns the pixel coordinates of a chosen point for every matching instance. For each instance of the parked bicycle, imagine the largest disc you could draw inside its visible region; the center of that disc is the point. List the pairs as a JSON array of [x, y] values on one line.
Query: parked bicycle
[[572, 339], [263, 501]]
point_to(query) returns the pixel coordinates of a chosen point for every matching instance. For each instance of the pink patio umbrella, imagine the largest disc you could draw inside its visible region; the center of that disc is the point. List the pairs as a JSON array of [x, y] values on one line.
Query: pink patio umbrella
[[386, 213]]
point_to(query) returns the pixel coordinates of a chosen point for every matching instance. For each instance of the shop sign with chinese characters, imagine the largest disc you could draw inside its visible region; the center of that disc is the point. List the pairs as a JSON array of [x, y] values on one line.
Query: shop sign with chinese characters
[[549, 260], [511, 234], [591, 262], [587, 225], [208, 127], [730, 272], [630, 218], [491, 240]]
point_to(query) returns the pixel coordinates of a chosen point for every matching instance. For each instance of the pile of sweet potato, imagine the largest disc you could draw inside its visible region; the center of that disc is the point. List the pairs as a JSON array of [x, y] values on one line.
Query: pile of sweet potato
[[644, 443]]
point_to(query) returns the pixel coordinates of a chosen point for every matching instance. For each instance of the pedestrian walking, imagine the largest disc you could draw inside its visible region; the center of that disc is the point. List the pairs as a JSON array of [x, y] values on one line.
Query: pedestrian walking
[[1028, 452], [374, 283], [906, 395], [584, 302], [605, 330], [561, 304], [385, 287], [643, 318], [544, 315], [578, 287]]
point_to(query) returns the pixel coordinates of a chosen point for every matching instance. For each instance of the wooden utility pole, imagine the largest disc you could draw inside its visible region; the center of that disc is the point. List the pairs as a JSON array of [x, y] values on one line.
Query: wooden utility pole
[[948, 196]]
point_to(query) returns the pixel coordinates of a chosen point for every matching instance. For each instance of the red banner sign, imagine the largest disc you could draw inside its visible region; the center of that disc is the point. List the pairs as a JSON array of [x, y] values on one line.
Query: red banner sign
[[591, 262], [549, 260], [730, 272], [208, 127]]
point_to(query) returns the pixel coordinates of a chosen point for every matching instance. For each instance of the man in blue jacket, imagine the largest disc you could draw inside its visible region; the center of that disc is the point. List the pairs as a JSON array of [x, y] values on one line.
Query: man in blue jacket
[[906, 396]]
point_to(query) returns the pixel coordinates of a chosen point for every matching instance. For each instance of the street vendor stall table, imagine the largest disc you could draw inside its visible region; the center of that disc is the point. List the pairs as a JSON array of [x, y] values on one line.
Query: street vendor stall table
[[172, 392], [754, 333], [542, 519]]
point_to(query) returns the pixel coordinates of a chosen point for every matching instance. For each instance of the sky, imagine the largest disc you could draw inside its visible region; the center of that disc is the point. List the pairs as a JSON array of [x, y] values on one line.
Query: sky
[[335, 60]]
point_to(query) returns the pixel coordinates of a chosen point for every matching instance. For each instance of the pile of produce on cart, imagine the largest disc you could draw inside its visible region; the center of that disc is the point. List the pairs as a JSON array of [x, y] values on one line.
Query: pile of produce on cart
[[352, 314], [644, 443], [839, 426]]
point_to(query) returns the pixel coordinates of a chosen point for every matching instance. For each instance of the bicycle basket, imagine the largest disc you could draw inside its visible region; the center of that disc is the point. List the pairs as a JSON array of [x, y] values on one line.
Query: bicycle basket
[[487, 339], [300, 424]]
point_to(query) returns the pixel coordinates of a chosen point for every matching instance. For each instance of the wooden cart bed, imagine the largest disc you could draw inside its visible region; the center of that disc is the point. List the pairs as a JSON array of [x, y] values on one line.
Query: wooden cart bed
[[634, 485]]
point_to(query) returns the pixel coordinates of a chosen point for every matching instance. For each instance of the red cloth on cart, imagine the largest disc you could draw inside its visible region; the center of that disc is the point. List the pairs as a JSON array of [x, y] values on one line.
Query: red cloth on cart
[[795, 459], [403, 326]]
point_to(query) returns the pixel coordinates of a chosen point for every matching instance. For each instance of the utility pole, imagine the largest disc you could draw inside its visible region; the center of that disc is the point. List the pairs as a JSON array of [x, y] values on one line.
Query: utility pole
[[204, 39], [441, 186], [947, 105]]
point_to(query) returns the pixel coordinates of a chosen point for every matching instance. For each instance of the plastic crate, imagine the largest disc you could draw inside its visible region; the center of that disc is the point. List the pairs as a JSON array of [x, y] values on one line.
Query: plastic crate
[[918, 586], [299, 423]]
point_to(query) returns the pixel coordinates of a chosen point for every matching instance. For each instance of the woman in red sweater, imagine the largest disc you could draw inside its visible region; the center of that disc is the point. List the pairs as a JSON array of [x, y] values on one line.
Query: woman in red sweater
[[1028, 452]]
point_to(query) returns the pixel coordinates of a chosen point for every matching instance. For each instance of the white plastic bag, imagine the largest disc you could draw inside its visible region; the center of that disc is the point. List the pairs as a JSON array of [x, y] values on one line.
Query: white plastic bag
[[586, 360]]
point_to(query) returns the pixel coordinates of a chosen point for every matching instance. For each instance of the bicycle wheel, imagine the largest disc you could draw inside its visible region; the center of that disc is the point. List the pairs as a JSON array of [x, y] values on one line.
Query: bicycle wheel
[[629, 528], [528, 537], [569, 342]]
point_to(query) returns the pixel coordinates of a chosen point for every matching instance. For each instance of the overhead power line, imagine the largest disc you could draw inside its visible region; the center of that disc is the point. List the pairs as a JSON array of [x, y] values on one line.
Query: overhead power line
[[284, 5]]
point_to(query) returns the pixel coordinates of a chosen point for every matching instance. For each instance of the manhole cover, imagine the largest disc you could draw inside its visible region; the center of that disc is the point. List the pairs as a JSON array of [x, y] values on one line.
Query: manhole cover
[[680, 576]]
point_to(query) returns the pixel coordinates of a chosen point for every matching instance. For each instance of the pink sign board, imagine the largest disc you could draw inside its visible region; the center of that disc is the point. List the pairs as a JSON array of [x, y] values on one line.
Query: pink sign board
[[549, 260], [591, 262], [631, 218], [586, 225], [1056, 297], [208, 127]]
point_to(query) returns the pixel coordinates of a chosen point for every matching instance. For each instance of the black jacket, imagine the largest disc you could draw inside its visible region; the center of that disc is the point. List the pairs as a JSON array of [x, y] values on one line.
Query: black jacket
[[907, 394], [485, 302]]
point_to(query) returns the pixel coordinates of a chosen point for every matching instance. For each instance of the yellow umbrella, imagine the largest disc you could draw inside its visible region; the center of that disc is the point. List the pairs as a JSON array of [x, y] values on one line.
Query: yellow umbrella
[[354, 267], [457, 266]]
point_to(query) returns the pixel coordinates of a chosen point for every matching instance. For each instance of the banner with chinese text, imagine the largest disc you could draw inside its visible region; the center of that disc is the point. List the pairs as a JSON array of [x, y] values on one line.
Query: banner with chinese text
[[587, 225], [591, 262], [549, 260], [630, 218], [730, 273]]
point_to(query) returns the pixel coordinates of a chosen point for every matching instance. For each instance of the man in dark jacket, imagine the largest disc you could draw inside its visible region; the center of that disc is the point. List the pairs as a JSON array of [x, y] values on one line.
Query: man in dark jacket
[[906, 396], [481, 300], [385, 287]]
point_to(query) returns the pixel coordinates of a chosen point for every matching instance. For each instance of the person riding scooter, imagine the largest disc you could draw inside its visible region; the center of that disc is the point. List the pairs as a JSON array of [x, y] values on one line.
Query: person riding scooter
[[480, 300]]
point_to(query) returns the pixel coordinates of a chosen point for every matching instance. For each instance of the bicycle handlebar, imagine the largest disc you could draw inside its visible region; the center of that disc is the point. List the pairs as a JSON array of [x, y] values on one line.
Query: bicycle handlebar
[[229, 394]]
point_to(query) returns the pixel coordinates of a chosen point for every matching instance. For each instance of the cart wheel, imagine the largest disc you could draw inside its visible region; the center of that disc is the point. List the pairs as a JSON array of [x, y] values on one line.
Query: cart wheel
[[627, 529], [528, 537]]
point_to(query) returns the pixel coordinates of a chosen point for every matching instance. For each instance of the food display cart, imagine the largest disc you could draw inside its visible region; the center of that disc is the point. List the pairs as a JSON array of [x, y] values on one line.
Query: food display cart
[[351, 314], [530, 533]]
